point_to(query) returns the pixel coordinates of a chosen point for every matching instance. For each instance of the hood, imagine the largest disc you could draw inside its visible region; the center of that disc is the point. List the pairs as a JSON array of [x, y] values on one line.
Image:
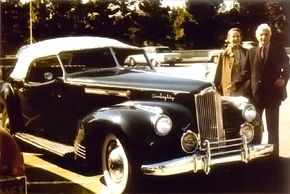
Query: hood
[[138, 80]]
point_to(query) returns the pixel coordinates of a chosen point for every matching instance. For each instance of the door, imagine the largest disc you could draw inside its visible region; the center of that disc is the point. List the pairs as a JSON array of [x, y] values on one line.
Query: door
[[45, 108]]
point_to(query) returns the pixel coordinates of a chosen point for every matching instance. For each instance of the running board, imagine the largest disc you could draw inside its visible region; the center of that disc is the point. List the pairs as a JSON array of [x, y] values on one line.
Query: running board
[[42, 143]]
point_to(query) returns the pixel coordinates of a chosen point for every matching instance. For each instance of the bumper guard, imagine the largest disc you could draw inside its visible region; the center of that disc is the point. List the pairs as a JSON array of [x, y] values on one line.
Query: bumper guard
[[203, 162]]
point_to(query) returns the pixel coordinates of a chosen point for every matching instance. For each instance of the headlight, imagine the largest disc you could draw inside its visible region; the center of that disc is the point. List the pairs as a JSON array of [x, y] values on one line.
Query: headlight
[[189, 141], [249, 112], [163, 125], [247, 130]]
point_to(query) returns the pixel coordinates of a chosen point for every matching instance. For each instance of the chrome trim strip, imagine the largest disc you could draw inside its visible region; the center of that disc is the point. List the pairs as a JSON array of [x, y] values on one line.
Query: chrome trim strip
[[112, 87], [80, 147], [107, 92], [226, 146], [207, 159], [80, 150], [226, 152], [203, 162]]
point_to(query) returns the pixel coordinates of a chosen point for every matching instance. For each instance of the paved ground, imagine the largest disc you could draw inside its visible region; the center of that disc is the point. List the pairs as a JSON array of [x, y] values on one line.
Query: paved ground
[[285, 126]]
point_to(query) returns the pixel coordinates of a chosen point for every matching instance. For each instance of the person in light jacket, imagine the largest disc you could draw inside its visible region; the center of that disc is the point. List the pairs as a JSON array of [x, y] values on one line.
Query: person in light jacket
[[231, 61]]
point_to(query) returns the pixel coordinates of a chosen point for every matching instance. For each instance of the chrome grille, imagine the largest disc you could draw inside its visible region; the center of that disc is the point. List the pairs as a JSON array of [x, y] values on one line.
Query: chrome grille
[[209, 115]]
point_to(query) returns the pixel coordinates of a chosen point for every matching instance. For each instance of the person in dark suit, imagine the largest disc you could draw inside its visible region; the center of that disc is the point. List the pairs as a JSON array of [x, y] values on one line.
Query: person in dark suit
[[267, 67], [231, 61]]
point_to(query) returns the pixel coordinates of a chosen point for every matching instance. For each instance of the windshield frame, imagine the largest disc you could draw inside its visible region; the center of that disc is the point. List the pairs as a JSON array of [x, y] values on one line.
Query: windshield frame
[[115, 54]]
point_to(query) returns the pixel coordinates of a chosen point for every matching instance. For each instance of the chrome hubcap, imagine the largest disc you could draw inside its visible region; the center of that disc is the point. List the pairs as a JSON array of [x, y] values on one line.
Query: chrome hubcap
[[115, 162]]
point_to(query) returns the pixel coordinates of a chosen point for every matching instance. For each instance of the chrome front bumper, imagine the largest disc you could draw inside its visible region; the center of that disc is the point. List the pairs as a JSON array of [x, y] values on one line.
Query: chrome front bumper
[[196, 163]]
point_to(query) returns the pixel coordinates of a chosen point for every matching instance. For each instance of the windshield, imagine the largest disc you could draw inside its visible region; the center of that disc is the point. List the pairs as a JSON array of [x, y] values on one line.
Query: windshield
[[102, 59], [163, 50]]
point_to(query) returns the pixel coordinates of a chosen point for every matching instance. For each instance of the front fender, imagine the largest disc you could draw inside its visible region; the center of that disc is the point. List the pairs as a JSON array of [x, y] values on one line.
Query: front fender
[[132, 122], [134, 119]]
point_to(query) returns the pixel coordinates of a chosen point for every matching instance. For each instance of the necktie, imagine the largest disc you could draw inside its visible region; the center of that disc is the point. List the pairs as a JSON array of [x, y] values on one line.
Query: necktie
[[263, 53]]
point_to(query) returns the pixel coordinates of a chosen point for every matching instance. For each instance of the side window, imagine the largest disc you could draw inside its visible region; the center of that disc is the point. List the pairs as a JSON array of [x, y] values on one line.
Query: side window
[[44, 69], [89, 59]]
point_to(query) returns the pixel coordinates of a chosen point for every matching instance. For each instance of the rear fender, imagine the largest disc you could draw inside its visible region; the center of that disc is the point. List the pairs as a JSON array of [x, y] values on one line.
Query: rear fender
[[10, 101]]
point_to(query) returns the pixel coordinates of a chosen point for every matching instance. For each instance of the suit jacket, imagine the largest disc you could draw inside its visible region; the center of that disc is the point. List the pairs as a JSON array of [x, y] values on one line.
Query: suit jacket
[[264, 74], [224, 71]]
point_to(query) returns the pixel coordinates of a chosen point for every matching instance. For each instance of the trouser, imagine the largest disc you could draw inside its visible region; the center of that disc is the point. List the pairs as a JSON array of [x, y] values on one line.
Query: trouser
[[272, 121]]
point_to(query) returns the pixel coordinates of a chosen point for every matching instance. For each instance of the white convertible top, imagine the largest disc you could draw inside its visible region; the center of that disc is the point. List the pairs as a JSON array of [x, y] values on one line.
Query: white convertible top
[[28, 53]]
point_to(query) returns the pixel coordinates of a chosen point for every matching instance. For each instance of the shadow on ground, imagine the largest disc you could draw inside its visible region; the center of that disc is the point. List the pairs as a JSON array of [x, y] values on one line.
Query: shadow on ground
[[264, 175]]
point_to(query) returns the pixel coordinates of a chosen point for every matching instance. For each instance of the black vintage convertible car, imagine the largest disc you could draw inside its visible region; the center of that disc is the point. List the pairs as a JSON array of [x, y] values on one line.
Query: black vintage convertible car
[[81, 96]]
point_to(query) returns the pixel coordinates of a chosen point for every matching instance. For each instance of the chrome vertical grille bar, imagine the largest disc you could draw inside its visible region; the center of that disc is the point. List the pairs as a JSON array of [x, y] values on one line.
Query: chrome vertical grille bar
[[209, 115]]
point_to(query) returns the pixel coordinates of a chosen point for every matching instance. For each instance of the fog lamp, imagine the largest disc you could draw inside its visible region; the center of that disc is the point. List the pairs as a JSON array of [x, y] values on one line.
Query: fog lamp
[[247, 130], [249, 112], [189, 141]]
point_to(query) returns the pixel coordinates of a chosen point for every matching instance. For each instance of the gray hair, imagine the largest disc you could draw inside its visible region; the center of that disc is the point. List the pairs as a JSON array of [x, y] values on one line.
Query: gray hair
[[263, 27]]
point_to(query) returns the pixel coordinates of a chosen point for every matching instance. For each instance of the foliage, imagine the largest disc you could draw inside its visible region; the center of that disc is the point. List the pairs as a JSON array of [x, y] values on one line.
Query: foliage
[[203, 24], [154, 23], [207, 26], [13, 25], [179, 19]]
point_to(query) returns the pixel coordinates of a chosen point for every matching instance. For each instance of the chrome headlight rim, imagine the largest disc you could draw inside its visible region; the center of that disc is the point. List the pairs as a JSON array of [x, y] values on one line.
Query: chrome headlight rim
[[249, 112], [162, 125], [247, 129]]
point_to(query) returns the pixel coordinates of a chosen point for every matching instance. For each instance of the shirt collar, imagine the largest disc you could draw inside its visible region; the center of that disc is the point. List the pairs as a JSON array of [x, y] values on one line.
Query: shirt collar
[[267, 46]]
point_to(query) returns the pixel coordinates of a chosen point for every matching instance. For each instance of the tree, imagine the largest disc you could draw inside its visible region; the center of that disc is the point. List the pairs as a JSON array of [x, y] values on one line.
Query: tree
[[206, 27], [272, 12], [252, 14], [180, 18], [14, 29], [154, 23], [141, 22], [279, 23]]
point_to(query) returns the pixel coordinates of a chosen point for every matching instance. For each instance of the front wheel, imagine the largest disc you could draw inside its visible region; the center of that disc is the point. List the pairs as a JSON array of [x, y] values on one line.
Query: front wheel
[[115, 164]]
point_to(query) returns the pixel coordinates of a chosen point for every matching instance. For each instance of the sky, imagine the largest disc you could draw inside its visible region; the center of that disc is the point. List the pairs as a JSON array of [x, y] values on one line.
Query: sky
[[173, 3]]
